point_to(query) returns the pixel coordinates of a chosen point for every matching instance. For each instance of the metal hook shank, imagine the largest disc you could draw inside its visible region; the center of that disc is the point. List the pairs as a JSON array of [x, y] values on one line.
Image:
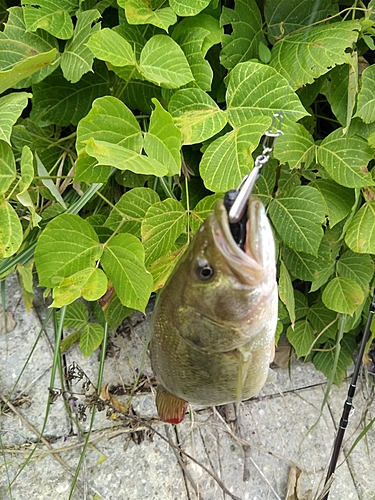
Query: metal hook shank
[[247, 184]]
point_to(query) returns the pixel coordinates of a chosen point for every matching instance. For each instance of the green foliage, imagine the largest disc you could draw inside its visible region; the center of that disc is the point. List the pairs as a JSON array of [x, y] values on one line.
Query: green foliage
[[119, 133]]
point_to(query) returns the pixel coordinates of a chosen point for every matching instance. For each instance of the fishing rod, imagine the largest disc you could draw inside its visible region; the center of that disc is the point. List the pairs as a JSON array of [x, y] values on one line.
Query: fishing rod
[[348, 406]]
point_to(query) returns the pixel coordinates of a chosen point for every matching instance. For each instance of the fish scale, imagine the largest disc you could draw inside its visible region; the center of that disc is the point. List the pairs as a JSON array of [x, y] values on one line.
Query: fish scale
[[213, 327]]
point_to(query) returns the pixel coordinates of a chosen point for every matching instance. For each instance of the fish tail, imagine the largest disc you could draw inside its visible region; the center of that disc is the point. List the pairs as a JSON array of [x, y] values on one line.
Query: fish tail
[[170, 408]]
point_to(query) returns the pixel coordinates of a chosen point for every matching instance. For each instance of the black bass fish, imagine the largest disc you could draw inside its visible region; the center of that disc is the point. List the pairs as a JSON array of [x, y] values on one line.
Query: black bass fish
[[214, 322]]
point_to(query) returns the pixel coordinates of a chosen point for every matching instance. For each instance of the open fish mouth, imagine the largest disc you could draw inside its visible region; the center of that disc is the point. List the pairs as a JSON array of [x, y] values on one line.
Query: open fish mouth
[[247, 246]]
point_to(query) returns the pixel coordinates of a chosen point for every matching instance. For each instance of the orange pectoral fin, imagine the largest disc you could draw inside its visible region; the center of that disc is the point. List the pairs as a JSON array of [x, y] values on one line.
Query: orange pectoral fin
[[170, 408]]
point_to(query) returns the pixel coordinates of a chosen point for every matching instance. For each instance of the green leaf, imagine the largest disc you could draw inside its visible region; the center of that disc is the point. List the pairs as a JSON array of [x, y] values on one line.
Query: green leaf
[[324, 361], [191, 42], [144, 12], [264, 53], [229, 158], [162, 268], [352, 322], [288, 179], [265, 185], [256, 89], [130, 179], [247, 32], [61, 103], [298, 216], [343, 295], [295, 146], [301, 304], [196, 36], [323, 320], [135, 36], [76, 315], [50, 16], [67, 246], [164, 63], [201, 21], [48, 182], [11, 233], [323, 276], [115, 313], [40, 140], [308, 267], [25, 57], [138, 95], [202, 209], [3, 8], [196, 114], [111, 47], [122, 261], [131, 209], [360, 235], [11, 107], [97, 222], [122, 158], [285, 16], [286, 292], [283, 313], [89, 283], [27, 169], [301, 337], [68, 341], [359, 268], [96, 286], [88, 170], [335, 88], [90, 339], [26, 201], [163, 140], [311, 53], [111, 121], [164, 222], [345, 159], [7, 167], [25, 69], [339, 199], [357, 127], [77, 58], [185, 8], [366, 96]]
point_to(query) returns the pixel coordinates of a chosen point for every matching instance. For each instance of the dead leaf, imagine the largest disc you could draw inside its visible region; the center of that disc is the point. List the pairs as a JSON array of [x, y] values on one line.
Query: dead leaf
[[366, 360], [283, 353], [10, 322], [105, 300], [293, 491], [115, 403]]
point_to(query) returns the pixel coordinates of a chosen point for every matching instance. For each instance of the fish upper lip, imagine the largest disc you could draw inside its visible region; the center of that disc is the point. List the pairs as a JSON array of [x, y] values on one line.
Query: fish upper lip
[[228, 246]]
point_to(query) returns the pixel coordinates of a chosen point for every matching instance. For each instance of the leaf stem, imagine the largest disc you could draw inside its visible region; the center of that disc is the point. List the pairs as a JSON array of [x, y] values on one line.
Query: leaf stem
[[166, 188], [187, 208]]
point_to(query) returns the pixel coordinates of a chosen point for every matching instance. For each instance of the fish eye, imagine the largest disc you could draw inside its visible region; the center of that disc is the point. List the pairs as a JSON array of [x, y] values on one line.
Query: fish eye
[[205, 272]]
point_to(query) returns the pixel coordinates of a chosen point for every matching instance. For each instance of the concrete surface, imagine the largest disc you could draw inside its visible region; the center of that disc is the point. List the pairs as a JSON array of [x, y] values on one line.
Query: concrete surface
[[280, 431]]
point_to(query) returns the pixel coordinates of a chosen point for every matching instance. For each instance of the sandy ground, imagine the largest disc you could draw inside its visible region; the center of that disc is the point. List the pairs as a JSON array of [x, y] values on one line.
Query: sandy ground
[[283, 433]]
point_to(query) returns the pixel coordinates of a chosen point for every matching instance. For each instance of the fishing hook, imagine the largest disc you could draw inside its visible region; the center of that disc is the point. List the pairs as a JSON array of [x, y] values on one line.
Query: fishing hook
[[246, 186]]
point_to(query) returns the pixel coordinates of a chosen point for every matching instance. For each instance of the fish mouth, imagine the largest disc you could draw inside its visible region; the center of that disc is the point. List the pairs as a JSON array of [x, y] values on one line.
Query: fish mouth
[[256, 250]]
